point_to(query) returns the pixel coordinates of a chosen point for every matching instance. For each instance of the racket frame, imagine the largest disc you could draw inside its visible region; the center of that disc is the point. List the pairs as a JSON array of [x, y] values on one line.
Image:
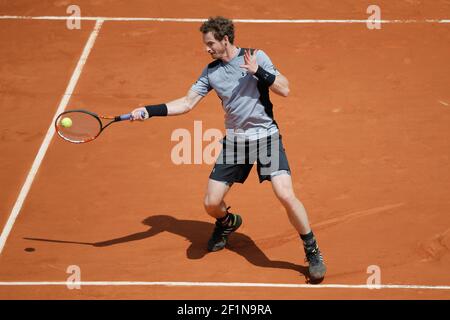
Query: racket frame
[[97, 117]]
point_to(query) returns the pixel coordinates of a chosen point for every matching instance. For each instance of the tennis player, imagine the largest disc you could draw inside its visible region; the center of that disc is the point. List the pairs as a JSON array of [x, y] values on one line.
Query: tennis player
[[242, 79]]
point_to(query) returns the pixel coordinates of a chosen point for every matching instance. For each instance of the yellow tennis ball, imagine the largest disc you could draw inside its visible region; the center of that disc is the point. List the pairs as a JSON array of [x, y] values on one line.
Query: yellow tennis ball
[[66, 122]]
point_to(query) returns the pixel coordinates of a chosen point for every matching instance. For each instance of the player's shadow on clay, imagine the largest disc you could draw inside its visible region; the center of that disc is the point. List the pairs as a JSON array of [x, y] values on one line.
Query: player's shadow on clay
[[198, 233]]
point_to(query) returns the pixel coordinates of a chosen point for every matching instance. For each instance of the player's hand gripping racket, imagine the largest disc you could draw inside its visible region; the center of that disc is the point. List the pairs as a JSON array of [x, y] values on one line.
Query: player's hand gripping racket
[[80, 126]]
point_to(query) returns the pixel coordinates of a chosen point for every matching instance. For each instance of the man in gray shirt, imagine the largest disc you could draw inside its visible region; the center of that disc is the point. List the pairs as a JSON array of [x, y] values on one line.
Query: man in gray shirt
[[242, 79]]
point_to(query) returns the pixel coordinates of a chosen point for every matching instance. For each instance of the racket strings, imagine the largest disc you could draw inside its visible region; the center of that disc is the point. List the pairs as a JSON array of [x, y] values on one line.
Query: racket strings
[[80, 127]]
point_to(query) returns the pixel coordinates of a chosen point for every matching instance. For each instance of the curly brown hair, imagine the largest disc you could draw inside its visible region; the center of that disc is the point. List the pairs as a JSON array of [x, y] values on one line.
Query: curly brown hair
[[220, 27]]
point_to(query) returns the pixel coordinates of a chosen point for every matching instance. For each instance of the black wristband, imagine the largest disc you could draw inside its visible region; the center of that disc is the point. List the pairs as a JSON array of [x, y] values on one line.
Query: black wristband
[[264, 76], [157, 110]]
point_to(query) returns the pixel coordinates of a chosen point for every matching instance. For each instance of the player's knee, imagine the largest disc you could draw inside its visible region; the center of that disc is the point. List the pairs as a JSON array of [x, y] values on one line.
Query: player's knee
[[287, 197], [211, 203]]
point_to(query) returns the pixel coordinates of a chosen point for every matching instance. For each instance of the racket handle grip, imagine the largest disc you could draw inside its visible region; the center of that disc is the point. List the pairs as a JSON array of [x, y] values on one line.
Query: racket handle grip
[[124, 117]]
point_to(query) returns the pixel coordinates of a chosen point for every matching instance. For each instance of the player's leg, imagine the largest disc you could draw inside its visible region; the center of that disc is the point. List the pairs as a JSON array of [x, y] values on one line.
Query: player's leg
[[214, 198], [275, 168], [226, 222], [282, 187], [226, 171], [277, 171]]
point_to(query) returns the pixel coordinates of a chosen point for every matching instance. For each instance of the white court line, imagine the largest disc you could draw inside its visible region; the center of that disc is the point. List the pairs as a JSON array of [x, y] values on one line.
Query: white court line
[[223, 284], [48, 137], [188, 20]]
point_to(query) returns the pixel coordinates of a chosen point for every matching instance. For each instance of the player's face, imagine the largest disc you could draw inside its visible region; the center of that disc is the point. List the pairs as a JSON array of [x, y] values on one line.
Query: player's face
[[214, 47]]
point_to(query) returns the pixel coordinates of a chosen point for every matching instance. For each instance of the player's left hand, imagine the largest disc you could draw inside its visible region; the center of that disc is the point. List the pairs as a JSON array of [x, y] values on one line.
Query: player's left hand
[[250, 62]]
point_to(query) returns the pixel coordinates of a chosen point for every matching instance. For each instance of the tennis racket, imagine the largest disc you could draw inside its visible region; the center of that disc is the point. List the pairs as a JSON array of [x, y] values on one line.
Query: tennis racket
[[81, 126]]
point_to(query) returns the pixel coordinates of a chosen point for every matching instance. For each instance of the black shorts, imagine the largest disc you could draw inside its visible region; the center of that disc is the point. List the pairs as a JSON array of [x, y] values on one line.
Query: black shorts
[[237, 158]]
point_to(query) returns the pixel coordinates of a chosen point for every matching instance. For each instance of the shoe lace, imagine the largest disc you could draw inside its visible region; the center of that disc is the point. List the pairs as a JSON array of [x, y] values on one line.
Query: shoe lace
[[314, 256]]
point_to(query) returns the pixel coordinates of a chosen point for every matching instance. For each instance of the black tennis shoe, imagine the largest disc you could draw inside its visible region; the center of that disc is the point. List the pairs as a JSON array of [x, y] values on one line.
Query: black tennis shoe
[[316, 266], [221, 233]]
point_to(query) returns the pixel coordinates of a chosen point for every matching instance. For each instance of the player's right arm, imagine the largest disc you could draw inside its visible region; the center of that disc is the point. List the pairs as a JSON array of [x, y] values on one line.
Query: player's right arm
[[174, 107], [183, 105]]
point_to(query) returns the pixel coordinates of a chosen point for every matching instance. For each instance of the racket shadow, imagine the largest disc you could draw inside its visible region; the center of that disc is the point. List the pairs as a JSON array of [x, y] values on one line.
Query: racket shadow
[[197, 233]]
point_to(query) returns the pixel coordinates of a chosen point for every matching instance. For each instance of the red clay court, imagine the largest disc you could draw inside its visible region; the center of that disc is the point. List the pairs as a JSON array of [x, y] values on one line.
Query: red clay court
[[366, 129]]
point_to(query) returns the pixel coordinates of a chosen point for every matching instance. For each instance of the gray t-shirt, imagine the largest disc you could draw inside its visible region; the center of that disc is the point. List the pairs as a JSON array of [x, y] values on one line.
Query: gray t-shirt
[[245, 100]]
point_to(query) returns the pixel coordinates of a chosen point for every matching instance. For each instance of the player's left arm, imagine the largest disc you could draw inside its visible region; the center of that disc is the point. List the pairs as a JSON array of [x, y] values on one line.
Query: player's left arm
[[280, 86], [260, 65]]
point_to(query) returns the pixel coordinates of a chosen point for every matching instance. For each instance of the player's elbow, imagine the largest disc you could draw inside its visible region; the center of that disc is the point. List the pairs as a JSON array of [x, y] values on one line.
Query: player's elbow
[[285, 92], [189, 107]]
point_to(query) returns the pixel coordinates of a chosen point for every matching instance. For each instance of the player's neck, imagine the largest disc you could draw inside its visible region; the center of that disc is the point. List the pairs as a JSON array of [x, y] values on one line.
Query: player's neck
[[232, 51]]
